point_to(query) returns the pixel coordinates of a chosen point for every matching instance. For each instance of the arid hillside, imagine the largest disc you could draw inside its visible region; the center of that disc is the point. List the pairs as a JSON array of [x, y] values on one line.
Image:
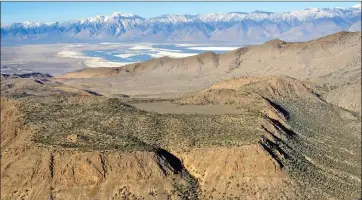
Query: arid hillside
[[274, 121], [310, 59], [333, 63], [285, 142]]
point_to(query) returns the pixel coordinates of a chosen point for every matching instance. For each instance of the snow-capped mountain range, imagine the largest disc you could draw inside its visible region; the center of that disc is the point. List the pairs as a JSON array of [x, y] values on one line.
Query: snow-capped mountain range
[[256, 26]]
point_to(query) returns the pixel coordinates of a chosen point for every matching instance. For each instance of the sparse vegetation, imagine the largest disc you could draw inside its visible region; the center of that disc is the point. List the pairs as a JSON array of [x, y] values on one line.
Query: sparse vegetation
[[309, 139], [116, 125]]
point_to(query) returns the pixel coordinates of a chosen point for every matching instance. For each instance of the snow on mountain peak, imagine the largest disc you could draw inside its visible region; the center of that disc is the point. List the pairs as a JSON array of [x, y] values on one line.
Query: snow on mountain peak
[[105, 18], [118, 14], [213, 16], [28, 24], [257, 15], [97, 18], [118, 23]]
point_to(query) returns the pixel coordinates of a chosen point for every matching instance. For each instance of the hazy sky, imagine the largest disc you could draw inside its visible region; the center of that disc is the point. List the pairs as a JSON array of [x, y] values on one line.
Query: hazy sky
[[61, 11]]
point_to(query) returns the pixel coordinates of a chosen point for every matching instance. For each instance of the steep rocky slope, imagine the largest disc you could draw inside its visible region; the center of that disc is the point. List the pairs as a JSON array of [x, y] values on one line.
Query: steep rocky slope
[[314, 140], [35, 168], [287, 143]]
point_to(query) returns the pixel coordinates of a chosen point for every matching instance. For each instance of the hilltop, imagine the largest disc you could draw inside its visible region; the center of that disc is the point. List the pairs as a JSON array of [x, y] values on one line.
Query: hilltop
[[79, 143], [332, 63]]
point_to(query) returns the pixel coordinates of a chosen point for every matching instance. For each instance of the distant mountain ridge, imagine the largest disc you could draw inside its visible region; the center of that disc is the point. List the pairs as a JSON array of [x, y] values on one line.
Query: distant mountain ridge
[[257, 26]]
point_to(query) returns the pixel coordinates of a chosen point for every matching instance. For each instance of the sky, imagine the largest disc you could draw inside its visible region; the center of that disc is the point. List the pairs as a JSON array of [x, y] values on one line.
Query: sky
[[12, 12]]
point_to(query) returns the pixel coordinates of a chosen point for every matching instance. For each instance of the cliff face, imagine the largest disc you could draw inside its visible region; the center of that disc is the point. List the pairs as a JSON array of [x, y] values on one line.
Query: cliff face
[[32, 170], [36, 171], [60, 142]]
